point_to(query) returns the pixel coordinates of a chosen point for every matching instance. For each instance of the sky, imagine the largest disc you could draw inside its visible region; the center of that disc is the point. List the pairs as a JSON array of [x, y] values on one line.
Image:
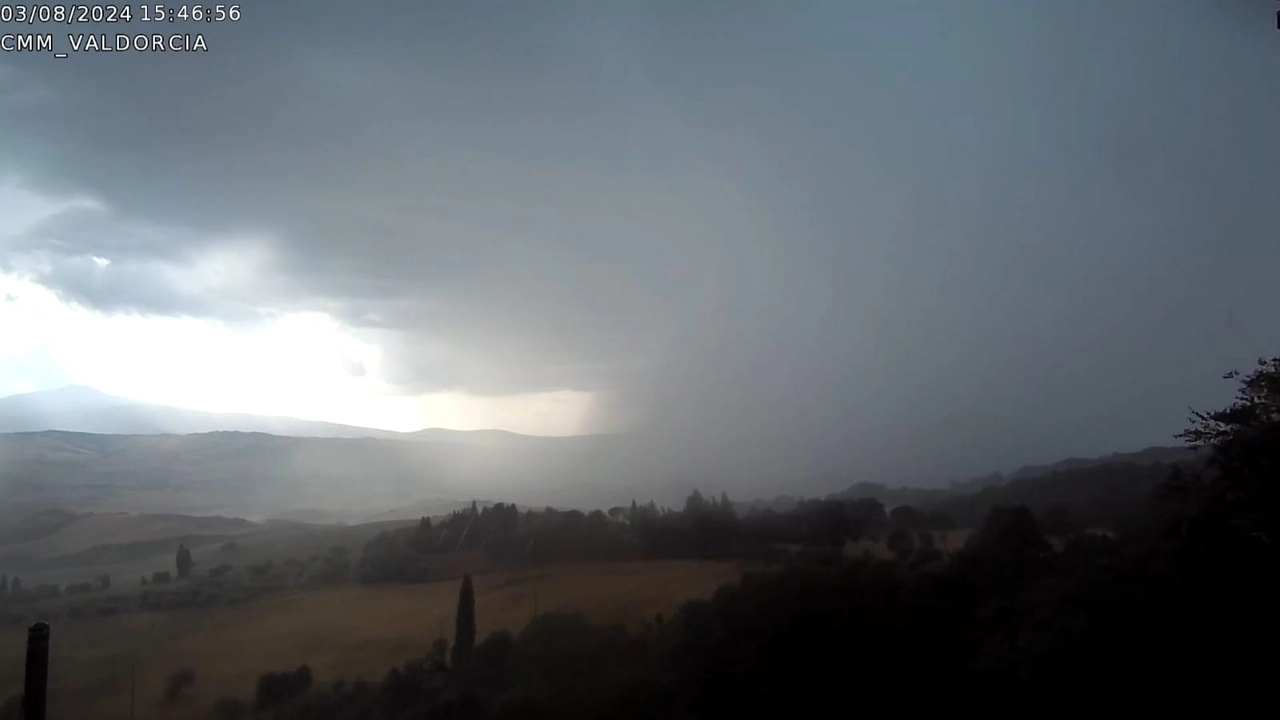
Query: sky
[[899, 238]]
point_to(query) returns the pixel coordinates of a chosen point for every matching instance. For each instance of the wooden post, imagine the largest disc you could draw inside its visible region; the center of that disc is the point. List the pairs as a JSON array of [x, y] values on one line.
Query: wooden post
[[35, 691]]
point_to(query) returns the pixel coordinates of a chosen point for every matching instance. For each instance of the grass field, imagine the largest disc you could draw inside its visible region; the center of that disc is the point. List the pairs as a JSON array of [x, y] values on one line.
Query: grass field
[[349, 631], [144, 543]]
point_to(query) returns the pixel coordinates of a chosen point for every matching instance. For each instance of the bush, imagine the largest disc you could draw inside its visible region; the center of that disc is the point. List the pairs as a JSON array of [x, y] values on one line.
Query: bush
[[281, 687], [176, 683], [229, 708], [160, 577], [220, 571]]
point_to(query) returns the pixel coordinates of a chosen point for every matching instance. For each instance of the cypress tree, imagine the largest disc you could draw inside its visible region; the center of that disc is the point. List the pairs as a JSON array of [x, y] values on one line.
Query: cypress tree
[[464, 635], [183, 561]]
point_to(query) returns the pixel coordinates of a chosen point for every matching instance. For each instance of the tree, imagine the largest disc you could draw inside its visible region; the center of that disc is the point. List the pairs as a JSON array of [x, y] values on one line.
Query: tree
[[464, 635], [1236, 501], [907, 518], [104, 582], [15, 585], [901, 543], [4, 585], [183, 561], [439, 651], [277, 688], [695, 503], [1056, 521], [726, 507], [1008, 551], [178, 682], [939, 520]]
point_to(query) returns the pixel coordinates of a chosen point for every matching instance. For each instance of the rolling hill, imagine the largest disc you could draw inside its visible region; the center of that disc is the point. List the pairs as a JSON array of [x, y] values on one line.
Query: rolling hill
[[258, 476], [86, 410]]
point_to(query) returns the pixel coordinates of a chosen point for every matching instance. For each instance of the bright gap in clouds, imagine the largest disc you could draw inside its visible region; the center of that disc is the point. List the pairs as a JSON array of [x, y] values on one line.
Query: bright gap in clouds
[[301, 364]]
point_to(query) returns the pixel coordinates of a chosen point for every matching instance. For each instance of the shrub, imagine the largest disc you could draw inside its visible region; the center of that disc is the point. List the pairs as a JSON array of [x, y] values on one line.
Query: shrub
[[229, 708], [281, 687], [176, 683]]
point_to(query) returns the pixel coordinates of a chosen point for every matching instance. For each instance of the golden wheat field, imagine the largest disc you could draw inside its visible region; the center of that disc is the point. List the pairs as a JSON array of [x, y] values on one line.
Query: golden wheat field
[[348, 631]]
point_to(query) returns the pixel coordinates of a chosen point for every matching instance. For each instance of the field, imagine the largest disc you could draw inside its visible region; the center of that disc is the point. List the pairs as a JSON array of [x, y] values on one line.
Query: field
[[348, 631], [129, 545]]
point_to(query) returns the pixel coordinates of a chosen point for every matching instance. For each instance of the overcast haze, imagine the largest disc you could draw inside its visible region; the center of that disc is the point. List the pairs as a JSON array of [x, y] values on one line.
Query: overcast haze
[[906, 239]]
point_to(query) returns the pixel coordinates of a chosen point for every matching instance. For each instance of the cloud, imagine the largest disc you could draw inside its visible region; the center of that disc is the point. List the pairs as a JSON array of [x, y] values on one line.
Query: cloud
[[845, 229]]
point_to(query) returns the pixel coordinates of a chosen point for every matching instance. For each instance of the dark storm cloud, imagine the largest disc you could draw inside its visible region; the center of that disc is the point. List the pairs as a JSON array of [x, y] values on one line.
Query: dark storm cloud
[[915, 236]]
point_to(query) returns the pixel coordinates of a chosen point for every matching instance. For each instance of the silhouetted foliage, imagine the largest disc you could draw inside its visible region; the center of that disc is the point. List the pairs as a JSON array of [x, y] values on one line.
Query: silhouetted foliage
[[1236, 500], [1057, 521], [229, 708], [901, 542], [464, 635], [907, 517], [439, 651], [183, 561], [281, 687], [176, 683]]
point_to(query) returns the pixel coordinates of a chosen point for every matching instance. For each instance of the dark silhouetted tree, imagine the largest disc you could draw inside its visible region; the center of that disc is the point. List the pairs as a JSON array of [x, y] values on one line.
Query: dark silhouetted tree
[[1056, 521], [464, 633], [4, 585], [907, 518], [15, 585], [939, 520], [281, 687], [183, 562], [176, 683], [1238, 499], [440, 651], [901, 542]]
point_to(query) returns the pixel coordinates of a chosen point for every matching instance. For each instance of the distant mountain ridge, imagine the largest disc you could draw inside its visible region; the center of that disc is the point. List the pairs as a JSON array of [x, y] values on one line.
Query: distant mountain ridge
[[1155, 454], [76, 408]]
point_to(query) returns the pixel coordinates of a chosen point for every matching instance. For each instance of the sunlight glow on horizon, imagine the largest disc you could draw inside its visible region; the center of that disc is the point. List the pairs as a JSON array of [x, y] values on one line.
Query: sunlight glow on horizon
[[305, 365]]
